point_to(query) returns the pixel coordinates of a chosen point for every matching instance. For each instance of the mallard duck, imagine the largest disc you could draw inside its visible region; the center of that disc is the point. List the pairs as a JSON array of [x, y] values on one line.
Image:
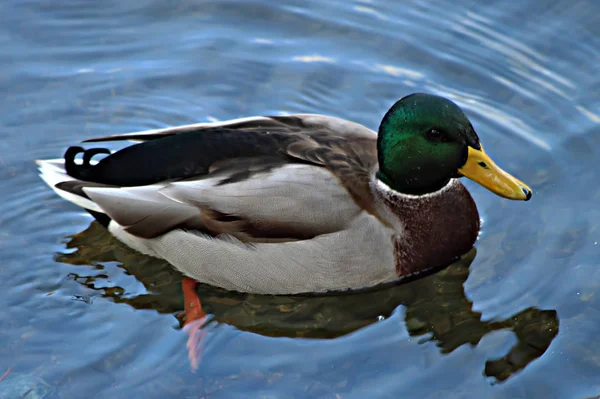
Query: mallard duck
[[292, 204]]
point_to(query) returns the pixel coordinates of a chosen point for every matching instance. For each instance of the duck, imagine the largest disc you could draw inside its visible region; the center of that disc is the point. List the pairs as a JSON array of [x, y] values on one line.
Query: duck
[[292, 204]]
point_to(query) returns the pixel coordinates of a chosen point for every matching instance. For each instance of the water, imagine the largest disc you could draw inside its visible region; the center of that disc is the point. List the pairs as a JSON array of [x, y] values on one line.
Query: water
[[81, 313]]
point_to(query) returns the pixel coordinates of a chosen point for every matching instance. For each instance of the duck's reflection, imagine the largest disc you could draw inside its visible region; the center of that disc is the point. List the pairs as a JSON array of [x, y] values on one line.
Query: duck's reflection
[[435, 305]]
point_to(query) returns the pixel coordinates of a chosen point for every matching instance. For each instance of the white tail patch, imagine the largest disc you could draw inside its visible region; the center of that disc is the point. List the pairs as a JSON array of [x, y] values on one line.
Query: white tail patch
[[52, 171]]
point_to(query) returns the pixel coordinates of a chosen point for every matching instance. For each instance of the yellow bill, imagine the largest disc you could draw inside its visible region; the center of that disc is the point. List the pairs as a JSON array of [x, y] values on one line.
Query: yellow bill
[[481, 169]]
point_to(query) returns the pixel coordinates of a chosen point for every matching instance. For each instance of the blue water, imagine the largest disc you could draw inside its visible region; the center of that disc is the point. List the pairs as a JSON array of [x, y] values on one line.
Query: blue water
[[83, 316]]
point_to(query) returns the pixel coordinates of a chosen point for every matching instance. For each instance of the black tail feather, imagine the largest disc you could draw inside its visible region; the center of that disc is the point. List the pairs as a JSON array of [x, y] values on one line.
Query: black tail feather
[[81, 172], [89, 154], [102, 218]]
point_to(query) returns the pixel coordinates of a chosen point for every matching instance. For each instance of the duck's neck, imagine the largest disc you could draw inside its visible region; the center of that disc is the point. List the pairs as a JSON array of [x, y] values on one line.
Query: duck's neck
[[411, 186], [432, 230]]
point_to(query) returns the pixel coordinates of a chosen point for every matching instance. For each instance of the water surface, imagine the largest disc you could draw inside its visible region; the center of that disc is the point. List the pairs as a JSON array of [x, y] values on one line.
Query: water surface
[[519, 317]]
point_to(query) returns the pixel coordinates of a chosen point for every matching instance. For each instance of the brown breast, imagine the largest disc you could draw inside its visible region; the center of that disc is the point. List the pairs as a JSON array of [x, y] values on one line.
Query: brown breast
[[437, 228]]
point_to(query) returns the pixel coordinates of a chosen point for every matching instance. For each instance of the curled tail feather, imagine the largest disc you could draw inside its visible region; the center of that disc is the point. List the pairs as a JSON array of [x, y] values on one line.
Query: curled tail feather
[[81, 172]]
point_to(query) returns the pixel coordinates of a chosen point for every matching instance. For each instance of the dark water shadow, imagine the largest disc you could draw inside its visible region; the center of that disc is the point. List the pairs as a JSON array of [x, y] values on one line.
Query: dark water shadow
[[436, 306]]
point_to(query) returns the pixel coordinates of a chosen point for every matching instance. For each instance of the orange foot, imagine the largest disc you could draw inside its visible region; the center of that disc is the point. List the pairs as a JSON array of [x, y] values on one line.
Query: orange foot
[[195, 318]]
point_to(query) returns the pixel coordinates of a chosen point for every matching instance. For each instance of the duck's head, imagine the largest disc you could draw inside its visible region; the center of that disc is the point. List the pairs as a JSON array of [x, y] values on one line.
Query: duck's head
[[426, 140]]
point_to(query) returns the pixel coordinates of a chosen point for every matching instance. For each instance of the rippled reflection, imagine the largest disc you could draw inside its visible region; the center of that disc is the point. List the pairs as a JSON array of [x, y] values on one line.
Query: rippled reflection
[[436, 306]]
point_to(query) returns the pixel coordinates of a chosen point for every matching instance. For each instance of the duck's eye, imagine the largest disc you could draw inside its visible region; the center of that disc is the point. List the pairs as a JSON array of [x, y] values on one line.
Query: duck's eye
[[434, 135]]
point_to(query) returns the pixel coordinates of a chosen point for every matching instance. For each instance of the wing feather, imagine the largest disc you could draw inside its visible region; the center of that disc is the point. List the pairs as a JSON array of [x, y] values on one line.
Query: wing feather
[[289, 177]]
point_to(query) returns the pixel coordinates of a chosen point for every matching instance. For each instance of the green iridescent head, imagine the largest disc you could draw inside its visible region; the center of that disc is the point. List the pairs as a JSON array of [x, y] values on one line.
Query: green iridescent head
[[426, 140]]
